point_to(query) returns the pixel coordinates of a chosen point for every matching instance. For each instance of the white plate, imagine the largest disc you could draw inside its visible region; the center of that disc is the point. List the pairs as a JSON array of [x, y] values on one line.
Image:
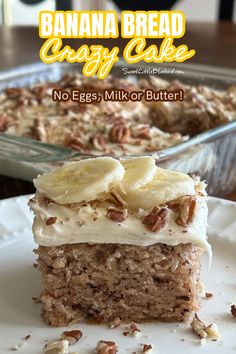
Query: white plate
[[19, 282]]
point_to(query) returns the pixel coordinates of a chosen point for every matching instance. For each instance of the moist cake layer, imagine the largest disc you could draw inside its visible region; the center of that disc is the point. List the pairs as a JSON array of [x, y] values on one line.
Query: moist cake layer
[[103, 282]]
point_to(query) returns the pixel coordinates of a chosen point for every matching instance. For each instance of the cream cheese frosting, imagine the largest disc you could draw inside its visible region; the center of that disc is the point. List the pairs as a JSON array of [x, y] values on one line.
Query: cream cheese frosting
[[85, 224], [87, 221]]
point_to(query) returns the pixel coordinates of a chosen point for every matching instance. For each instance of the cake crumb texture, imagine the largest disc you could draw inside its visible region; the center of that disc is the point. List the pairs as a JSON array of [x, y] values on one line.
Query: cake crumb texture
[[103, 282]]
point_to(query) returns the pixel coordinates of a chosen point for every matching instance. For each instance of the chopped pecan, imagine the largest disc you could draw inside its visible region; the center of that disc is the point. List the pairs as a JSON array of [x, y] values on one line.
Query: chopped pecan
[[233, 310], [120, 134], [116, 323], [3, 123], [132, 330], [147, 348], [51, 220], [185, 206], [39, 131], [208, 295], [72, 336], [116, 214], [187, 210], [74, 142], [118, 199], [142, 133], [99, 142], [106, 347], [14, 91], [156, 219]]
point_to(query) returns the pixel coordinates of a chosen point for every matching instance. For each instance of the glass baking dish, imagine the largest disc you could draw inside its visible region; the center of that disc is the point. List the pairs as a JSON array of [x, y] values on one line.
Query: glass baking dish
[[212, 155]]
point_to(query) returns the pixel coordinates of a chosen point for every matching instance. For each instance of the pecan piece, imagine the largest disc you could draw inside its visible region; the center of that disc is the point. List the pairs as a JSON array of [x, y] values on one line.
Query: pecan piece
[[186, 211], [116, 214], [51, 220], [106, 347], [156, 219], [142, 133], [185, 207], [116, 323], [132, 330], [120, 133], [39, 130], [74, 142], [118, 199], [14, 91], [147, 348], [233, 310], [72, 336], [98, 142]]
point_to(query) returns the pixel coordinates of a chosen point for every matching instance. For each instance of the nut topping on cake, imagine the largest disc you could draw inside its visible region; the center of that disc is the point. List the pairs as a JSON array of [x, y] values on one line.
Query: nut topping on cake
[[185, 206], [120, 133], [75, 142], [116, 214], [99, 142], [51, 220], [106, 347], [186, 211], [118, 199], [156, 219], [142, 133]]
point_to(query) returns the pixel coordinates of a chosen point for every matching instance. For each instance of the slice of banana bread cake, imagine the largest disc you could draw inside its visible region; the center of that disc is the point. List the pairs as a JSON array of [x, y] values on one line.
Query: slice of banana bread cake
[[119, 239]]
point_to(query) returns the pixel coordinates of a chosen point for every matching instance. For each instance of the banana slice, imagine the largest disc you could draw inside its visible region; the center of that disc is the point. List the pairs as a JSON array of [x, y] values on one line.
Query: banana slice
[[165, 186], [82, 180], [138, 172]]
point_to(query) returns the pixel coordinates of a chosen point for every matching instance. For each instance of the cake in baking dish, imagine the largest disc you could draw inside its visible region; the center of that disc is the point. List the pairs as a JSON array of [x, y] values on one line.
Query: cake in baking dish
[[114, 128], [119, 239]]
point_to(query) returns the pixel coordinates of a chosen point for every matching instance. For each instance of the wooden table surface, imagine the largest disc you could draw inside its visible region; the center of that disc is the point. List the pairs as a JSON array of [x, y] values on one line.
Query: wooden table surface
[[215, 44]]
